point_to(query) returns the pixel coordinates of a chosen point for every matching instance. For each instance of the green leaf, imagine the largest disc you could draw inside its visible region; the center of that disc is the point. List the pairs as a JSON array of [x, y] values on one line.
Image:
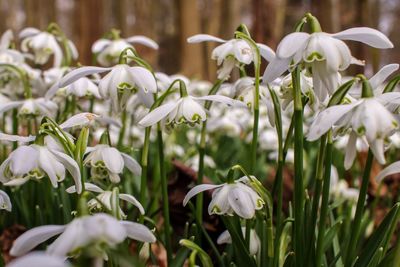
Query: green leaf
[[340, 93], [204, 257], [180, 257], [330, 234], [392, 84], [377, 238]]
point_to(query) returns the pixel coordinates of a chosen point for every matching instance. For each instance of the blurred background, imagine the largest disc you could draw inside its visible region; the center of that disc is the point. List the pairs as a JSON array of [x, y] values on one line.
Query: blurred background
[[170, 22]]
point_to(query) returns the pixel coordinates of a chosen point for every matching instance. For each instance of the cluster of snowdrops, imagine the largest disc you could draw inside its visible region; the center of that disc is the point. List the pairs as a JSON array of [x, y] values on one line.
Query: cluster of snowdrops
[[86, 152]]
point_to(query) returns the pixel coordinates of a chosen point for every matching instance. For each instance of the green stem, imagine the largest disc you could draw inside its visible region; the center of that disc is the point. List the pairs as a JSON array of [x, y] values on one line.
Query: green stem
[[164, 189], [356, 226], [316, 196], [202, 150], [298, 170], [15, 126], [124, 119], [324, 202], [144, 163]]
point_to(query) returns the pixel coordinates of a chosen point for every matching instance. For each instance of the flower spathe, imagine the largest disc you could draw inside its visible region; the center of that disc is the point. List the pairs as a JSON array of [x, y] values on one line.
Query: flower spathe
[[106, 161], [230, 198], [86, 119], [80, 233], [325, 53], [35, 161], [185, 110]]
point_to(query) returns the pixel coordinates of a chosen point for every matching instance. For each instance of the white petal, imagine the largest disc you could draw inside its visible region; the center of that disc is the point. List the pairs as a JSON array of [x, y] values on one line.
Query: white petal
[[31, 238], [158, 114], [224, 238], [72, 168], [143, 79], [47, 163], [351, 151], [17, 138], [74, 50], [365, 35], [5, 202], [132, 164], [133, 201], [198, 189], [100, 45], [88, 186], [38, 259], [16, 181], [6, 39], [8, 106], [377, 147], [222, 99], [389, 170], [198, 38], [140, 39], [113, 160], [382, 75], [79, 73], [291, 44], [275, 69], [327, 118], [28, 32], [80, 119], [266, 52], [24, 159], [241, 202], [138, 232]]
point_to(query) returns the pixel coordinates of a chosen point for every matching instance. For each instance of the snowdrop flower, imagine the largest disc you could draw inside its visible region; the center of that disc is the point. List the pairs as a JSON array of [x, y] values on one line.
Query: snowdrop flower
[[306, 85], [39, 259], [34, 162], [106, 161], [79, 88], [118, 84], [255, 243], [85, 119], [108, 51], [186, 110], [193, 162], [325, 53], [44, 44], [5, 202], [367, 116], [82, 232], [232, 52], [52, 75], [230, 198], [32, 107], [340, 188], [104, 198]]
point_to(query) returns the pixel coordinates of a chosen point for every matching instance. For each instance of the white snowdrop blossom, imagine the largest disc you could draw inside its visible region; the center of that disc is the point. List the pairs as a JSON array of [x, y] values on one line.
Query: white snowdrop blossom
[[255, 243], [106, 161], [118, 84], [108, 51], [44, 44], [83, 232], [104, 198], [306, 85], [340, 188], [230, 198], [39, 259], [80, 88], [34, 162], [87, 119], [326, 54], [5, 202], [232, 52], [185, 110], [32, 107], [367, 116]]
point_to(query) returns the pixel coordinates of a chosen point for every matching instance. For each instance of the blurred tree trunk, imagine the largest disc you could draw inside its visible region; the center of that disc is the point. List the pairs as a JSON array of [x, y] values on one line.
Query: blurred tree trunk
[[327, 13], [89, 27], [191, 59], [273, 19]]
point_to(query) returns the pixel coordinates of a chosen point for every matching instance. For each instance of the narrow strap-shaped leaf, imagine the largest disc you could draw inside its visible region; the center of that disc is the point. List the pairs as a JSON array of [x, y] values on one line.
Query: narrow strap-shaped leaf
[[377, 238], [340, 93]]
